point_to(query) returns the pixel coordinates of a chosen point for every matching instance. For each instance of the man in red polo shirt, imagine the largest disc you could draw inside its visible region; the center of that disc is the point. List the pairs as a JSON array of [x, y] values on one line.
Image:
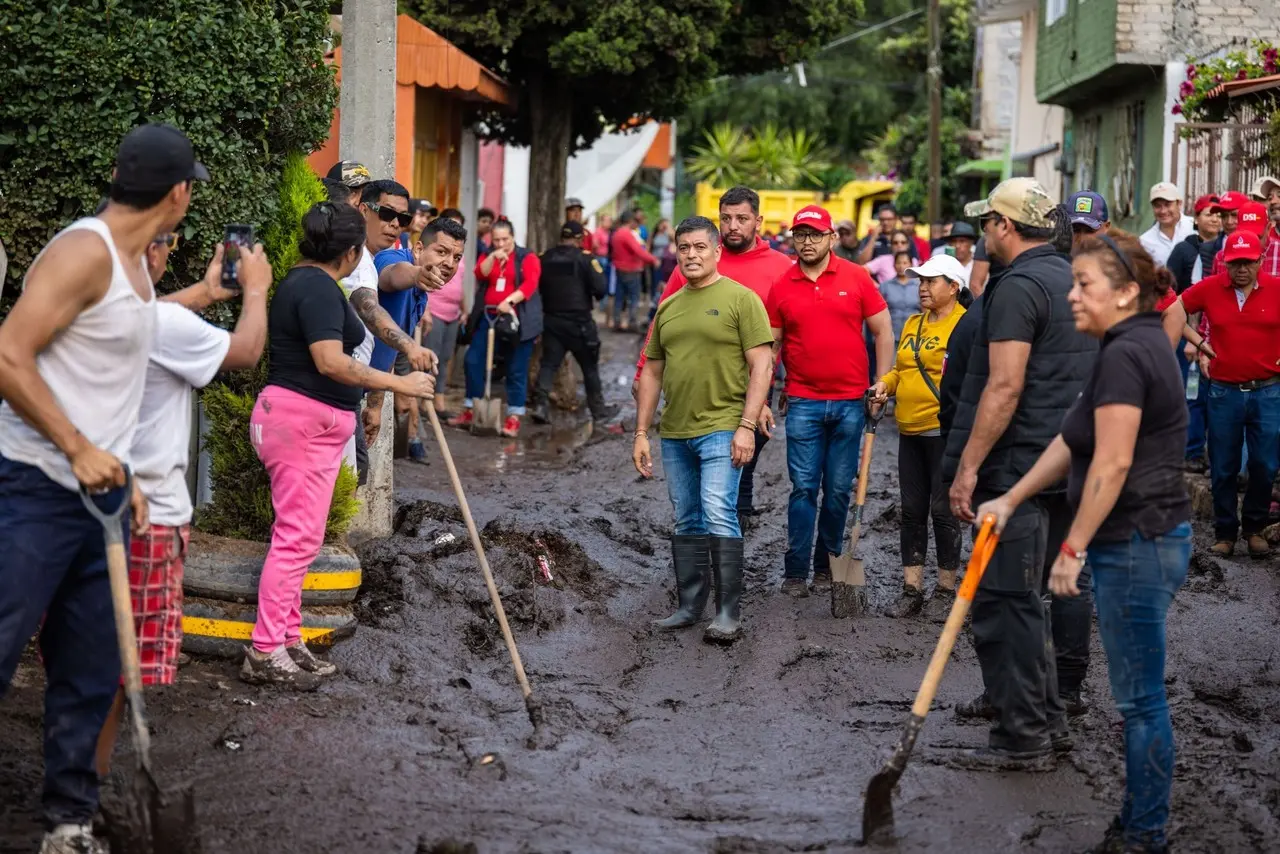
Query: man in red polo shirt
[[1243, 310], [750, 261], [817, 309]]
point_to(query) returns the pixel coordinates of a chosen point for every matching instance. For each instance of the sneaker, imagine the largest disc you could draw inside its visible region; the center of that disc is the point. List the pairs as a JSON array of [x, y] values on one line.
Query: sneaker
[[1223, 548], [938, 608], [604, 412], [1074, 703], [306, 659], [796, 588], [276, 668], [996, 759], [464, 420], [72, 839], [821, 582], [417, 452], [511, 427], [979, 708], [1259, 548]]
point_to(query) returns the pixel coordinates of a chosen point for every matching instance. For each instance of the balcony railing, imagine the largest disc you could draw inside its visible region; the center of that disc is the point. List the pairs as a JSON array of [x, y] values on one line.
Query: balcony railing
[[1214, 157]]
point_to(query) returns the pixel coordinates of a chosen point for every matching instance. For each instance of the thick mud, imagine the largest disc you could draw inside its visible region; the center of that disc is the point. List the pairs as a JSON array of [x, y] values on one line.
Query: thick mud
[[659, 742]]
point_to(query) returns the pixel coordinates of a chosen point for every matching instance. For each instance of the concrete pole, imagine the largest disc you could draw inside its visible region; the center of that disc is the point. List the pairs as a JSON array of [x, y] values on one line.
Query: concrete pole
[[469, 203], [368, 134]]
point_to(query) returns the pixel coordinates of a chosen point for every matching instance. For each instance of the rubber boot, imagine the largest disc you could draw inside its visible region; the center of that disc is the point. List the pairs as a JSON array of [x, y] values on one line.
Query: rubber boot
[[726, 563], [540, 411], [601, 411], [692, 559]]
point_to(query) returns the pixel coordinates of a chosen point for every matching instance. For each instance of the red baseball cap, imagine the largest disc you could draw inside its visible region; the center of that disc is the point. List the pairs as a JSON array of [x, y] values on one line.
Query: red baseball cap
[[1253, 218], [1242, 246], [1205, 202], [1231, 201], [814, 216]]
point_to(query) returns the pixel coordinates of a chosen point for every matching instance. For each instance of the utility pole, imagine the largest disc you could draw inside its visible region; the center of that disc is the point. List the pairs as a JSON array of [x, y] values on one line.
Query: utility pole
[[934, 210]]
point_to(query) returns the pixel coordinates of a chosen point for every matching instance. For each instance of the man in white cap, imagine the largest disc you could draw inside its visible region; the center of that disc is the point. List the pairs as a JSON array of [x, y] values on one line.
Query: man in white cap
[[1267, 191], [1172, 225]]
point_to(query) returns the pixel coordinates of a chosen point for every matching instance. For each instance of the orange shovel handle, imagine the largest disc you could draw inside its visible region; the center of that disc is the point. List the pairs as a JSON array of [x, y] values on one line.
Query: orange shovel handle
[[983, 548]]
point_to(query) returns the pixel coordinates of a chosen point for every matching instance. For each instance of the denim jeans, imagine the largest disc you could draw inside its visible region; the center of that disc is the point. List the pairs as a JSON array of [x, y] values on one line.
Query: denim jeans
[[703, 484], [1133, 584], [1238, 418], [517, 369], [628, 294], [1196, 416], [823, 443], [53, 566]]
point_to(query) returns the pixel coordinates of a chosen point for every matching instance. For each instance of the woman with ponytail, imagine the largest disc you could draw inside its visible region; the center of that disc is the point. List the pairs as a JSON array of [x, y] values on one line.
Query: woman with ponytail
[[1121, 451], [300, 425]]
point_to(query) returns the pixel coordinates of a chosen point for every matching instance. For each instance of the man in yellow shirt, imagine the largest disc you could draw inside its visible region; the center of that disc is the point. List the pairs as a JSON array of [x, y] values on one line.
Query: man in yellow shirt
[[914, 380]]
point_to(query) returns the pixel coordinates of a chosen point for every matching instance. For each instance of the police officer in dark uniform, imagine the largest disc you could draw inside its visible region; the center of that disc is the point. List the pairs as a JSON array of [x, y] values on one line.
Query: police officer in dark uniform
[[571, 279]]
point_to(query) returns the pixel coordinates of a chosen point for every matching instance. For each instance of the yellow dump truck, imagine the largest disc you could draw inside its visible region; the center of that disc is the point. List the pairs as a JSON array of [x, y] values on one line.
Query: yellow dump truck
[[856, 201]]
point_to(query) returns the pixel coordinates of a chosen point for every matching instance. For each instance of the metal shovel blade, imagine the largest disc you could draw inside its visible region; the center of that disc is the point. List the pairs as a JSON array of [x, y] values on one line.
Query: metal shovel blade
[[153, 821], [848, 587], [488, 417], [877, 808]]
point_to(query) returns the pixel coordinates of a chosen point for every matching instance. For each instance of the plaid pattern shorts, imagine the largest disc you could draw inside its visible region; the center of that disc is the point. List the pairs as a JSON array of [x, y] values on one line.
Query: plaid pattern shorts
[[155, 580]]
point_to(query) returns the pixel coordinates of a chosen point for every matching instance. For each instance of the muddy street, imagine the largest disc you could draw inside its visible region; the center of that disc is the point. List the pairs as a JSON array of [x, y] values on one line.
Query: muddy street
[[658, 742]]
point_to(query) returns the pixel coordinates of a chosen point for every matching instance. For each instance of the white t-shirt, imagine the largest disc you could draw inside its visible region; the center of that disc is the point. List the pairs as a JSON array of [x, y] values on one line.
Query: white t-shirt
[[365, 275], [186, 355], [1160, 247]]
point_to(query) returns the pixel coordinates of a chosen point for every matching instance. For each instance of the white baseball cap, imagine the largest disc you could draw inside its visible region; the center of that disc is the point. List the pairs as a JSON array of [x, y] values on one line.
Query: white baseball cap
[[1263, 186], [1164, 191], [945, 266]]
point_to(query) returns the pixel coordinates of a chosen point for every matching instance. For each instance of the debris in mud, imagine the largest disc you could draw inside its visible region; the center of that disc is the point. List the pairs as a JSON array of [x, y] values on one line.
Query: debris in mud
[[887, 522], [489, 766], [1241, 742], [807, 651], [446, 846]]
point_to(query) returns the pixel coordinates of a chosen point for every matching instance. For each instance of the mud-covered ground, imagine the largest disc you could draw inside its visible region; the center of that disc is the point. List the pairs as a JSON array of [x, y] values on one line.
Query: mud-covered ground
[[657, 742]]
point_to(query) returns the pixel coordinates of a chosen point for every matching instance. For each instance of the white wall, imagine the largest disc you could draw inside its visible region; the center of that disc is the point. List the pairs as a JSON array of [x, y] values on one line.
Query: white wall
[[1038, 124]]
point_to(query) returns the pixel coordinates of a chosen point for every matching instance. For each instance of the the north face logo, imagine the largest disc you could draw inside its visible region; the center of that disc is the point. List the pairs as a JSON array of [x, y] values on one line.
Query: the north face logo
[[810, 215]]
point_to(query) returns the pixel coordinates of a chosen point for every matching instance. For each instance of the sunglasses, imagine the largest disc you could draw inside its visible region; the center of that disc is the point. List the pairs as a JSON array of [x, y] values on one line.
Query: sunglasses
[[387, 214], [170, 240]]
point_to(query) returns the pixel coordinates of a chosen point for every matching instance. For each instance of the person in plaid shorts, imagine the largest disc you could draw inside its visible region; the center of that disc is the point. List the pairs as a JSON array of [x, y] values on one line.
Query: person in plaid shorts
[[186, 354]]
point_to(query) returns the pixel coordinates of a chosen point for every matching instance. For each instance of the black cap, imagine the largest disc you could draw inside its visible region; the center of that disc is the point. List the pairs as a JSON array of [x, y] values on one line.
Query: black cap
[[570, 230], [572, 202], [156, 157], [351, 173], [962, 229], [423, 205]]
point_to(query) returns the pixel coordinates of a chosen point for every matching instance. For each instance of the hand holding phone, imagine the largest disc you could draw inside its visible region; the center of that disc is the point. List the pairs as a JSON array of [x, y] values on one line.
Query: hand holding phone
[[237, 238]]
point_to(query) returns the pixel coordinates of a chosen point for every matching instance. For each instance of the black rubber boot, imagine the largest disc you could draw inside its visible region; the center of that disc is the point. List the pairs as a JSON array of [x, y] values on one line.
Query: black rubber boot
[[726, 563], [601, 411], [692, 559], [540, 411]]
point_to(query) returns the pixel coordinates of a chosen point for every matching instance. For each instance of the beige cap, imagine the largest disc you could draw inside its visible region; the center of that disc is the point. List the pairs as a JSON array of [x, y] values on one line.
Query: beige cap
[[1263, 186], [1164, 191], [1021, 199]]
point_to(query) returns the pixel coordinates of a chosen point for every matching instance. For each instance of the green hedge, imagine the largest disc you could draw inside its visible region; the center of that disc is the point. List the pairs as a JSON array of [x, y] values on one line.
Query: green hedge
[[246, 80]]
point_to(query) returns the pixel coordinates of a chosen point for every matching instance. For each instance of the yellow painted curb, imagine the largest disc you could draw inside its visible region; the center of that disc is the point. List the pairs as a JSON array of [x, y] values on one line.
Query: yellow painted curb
[[236, 630], [332, 580]]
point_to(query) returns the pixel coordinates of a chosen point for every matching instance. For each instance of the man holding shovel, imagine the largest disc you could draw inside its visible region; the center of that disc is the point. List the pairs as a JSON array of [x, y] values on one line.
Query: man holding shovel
[[710, 355], [816, 311], [73, 364]]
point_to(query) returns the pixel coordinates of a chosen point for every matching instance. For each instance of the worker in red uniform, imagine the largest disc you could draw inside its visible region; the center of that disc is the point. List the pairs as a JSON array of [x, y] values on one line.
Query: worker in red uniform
[[749, 260]]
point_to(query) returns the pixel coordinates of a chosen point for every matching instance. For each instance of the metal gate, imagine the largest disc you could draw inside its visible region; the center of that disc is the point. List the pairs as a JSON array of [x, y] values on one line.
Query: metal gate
[[1214, 157]]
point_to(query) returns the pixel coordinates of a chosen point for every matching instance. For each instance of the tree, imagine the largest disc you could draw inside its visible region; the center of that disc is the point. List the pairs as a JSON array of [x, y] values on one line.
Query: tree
[[583, 67]]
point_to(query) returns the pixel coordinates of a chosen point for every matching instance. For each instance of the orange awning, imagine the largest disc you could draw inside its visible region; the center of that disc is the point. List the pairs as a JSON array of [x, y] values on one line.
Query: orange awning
[[427, 59], [1237, 88]]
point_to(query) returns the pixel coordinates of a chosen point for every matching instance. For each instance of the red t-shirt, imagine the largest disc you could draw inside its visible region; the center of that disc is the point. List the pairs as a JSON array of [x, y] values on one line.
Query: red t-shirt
[[505, 276], [821, 322], [1246, 338], [757, 268]]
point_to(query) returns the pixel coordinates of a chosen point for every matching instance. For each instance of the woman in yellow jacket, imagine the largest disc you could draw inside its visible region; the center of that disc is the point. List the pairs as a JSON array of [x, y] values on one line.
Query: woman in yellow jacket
[[914, 380]]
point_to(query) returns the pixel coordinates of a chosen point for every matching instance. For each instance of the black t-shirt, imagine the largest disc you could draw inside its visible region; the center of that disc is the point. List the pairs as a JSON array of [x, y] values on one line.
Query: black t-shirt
[[308, 306], [1135, 367], [994, 267]]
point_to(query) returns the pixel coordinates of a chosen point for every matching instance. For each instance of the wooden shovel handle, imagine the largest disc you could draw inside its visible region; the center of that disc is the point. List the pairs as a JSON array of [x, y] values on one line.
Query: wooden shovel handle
[[488, 362], [983, 548]]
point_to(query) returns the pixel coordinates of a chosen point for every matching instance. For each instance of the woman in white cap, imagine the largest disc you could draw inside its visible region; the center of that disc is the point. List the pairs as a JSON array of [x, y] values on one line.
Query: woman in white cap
[[922, 352]]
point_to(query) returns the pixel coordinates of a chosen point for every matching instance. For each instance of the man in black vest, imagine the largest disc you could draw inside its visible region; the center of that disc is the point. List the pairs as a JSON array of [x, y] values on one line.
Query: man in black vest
[[571, 279], [1028, 363]]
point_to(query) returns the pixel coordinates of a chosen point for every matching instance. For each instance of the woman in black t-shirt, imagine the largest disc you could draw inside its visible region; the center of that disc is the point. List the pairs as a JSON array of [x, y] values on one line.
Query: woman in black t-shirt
[[1121, 452], [300, 425]]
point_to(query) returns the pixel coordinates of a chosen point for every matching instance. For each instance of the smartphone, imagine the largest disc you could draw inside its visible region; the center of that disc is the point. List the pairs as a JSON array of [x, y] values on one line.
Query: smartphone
[[236, 238]]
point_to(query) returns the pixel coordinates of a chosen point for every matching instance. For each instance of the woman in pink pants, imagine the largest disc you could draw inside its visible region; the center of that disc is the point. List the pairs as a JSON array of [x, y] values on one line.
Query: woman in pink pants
[[300, 425]]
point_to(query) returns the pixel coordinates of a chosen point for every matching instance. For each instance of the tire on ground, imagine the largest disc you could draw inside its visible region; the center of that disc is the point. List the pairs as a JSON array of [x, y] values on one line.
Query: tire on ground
[[224, 629], [228, 570]]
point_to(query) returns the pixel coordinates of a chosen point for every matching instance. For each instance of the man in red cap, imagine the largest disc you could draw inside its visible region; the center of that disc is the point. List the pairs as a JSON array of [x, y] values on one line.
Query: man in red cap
[[1268, 191], [1243, 309], [817, 309], [748, 260], [1249, 217]]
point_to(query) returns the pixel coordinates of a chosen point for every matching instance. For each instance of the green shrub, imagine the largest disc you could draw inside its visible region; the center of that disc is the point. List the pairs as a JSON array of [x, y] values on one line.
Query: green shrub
[[345, 504], [246, 81]]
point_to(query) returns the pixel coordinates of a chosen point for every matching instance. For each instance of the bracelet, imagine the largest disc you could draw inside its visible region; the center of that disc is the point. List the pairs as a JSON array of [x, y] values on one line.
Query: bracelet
[[1200, 346], [748, 423], [1072, 553], [640, 433]]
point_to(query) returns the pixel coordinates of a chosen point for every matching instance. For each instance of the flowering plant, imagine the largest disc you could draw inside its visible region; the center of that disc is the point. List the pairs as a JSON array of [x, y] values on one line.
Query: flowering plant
[[1260, 60]]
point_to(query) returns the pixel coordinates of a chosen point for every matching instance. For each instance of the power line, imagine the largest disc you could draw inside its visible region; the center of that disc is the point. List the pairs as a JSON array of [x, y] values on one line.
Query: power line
[[874, 28]]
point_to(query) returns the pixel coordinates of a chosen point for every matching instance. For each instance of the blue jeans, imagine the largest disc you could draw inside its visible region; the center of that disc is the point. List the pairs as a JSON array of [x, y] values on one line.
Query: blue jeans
[[703, 484], [53, 565], [628, 294], [823, 443], [1196, 415], [517, 369], [1133, 584], [1236, 419]]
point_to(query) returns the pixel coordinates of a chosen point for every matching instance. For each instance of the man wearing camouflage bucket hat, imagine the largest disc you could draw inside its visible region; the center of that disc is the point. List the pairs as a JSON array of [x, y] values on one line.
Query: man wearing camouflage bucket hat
[[1026, 366]]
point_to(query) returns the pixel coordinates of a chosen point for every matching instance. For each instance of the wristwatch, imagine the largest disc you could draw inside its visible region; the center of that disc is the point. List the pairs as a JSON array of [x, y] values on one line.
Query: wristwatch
[[1072, 553]]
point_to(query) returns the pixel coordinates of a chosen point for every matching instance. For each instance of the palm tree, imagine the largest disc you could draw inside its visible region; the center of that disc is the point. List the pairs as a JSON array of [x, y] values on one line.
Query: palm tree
[[807, 156], [771, 162], [724, 159]]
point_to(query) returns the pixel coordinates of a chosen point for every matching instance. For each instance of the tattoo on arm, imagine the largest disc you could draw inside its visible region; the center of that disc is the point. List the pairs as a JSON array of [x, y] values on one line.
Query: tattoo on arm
[[365, 302]]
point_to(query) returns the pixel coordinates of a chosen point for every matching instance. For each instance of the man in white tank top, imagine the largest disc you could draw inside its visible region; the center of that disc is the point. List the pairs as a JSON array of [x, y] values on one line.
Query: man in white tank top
[[73, 359]]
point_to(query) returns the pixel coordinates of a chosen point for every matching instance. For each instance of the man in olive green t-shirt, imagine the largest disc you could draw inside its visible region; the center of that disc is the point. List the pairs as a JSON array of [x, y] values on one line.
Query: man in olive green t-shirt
[[710, 354]]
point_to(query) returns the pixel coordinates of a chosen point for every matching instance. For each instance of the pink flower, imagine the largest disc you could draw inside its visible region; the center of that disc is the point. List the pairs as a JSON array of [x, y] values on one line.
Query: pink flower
[[1270, 54], [1242, 74], [1186, 88], [1217, 78], [1191, 72], [1177, 109]]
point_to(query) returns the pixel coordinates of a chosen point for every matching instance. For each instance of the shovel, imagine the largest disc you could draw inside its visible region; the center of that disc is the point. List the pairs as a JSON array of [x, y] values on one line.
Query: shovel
[[877, 810], [488, 411], [531, 704], [848, 580], [154, 822]]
